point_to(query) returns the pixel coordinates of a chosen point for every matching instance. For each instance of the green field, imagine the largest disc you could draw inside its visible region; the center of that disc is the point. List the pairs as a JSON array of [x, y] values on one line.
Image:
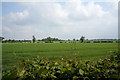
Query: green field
[[12, 53]]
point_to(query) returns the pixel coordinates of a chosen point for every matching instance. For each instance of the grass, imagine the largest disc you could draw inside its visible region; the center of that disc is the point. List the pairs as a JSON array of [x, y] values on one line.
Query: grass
[[12, 53]]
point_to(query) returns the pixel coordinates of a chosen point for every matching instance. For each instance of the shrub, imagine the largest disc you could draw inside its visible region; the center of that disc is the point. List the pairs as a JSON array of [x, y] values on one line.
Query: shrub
[[87, 41], [96, 41], [61, 42], [65, 68], [106, 41]]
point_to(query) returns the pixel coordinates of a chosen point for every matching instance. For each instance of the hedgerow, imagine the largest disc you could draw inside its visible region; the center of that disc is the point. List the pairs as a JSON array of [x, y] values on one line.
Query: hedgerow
[[40, 68]]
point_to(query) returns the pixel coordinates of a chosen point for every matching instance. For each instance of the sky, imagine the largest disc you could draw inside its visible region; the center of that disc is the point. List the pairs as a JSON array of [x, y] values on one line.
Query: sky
[[64, 20]]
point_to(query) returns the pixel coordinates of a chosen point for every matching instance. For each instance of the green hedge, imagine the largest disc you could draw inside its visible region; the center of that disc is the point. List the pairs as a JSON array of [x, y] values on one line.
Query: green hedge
[[65, 68], [106, 41], [103, 41], [96, 41]]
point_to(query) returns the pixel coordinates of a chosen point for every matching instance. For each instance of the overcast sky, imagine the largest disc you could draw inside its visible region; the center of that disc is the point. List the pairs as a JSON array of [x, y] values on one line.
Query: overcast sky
[[64, 20]]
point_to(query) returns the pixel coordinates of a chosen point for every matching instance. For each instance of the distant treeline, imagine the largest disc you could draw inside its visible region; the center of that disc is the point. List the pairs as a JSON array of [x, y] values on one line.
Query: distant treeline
[[46, 40], [52, 40], [15, 41], [60, 41]]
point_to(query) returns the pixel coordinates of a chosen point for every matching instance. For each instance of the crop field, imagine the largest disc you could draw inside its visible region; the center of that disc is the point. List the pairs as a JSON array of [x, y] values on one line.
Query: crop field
[[12, 53]]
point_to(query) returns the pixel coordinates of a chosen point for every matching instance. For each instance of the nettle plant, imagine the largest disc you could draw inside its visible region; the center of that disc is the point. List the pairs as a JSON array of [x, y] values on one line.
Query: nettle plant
[[65, 68]]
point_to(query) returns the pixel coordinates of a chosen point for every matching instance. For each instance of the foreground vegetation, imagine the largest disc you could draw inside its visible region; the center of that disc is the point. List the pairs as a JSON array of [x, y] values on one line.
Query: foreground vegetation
[[41, 68]]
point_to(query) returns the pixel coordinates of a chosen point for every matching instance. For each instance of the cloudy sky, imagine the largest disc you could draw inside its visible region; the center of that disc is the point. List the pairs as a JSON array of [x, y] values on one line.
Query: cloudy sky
[[64, 20]]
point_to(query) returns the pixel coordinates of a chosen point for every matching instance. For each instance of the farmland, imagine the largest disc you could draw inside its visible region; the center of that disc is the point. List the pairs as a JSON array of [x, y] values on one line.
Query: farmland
[[12, 53]]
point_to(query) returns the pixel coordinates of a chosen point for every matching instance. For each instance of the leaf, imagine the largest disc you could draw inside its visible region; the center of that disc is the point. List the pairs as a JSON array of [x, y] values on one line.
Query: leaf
[[63, 69], [56, 63], [81, 72], [69, 68], [21, 73], [47, 67], [75, 77]]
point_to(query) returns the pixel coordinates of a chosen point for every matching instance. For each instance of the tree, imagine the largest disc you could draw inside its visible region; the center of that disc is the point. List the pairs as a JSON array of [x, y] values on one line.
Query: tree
[[73, 39], [9, 40], [34, 39], [82, 39], [13, 41], [68, 39], [49, 39]]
